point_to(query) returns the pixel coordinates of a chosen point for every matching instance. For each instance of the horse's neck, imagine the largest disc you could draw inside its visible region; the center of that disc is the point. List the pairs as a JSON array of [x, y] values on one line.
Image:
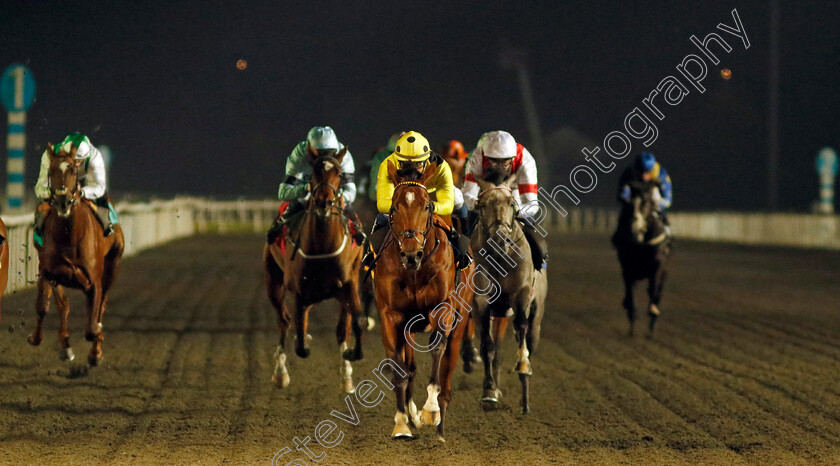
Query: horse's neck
[[68, 231], [317, 233]]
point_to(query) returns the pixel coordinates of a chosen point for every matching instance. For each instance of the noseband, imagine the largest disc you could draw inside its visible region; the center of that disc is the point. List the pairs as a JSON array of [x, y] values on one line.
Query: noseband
[[412, 233], [507, 225]]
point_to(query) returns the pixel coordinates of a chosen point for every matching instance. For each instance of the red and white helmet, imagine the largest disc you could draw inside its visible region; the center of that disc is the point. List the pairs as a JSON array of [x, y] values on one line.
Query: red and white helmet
[[498, 145]]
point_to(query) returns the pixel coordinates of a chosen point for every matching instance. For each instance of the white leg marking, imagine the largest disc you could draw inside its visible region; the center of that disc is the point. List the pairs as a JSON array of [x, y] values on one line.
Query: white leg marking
[[281, 374], [414, 415], [431, 410], [346, 370]]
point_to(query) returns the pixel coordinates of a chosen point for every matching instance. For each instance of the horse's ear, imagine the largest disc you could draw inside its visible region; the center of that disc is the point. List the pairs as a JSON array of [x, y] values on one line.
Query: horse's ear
[[429, 173], [483, 185], [340, 155], [50, 150], [392, 172]]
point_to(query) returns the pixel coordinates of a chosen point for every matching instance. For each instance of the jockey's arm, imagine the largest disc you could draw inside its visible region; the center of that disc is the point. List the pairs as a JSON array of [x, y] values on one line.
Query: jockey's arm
[[384, 188], [42, 186], [665, 189], [471, 172], [444, 190], [293, 185], [96, 178], [526, 184], [623, 194], [348, 169]]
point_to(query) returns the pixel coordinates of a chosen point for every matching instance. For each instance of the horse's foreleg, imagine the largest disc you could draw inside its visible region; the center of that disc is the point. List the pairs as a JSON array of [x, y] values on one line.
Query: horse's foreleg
[[628, 303], [400, 382], [42, 306], [447, 368], [276, 295], [469, 353], [342, 332], [359, 322], [65, 352], [301, 314], [655, 285], [499, 327], [488, 353], [431, 410], [94, 333], [411, 365]]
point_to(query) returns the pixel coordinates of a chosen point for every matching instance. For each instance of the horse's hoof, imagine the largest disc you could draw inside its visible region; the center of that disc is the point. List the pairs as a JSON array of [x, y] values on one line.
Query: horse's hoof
[[281, 381], [302, 352], [34, 341], [352, 355], [94, 359], [429, 418], [347, 385], [370, 323], [468, 367], [526, 410], [440, 439], [523, 368], [66, 354], [491, 396], [90, 336], [654, 310], [401, 432]]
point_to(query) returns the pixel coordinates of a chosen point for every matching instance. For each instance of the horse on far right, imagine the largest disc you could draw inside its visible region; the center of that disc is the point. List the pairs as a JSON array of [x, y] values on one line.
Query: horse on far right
[[644, 247]]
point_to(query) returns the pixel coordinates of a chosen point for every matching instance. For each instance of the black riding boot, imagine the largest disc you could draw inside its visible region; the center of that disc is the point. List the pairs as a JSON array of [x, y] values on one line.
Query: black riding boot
[[461, 248], [358, 229], [539, 246], [276, 227], [103, 213], [375, 240]]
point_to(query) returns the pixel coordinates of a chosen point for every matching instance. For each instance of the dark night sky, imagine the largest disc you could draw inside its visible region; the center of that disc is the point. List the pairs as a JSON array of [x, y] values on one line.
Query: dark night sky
[[158, 83]]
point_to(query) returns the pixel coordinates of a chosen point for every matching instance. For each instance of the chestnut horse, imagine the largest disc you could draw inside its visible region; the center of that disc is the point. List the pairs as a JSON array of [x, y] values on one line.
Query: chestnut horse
[[75, 254], [321, 263], [522, 289], [414, 279]]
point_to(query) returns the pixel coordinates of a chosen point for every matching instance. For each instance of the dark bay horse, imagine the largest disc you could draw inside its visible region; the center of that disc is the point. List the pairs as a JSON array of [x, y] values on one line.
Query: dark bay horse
[[643, 247], [320, 263], [75, 254], [415, 284], [523, 289]]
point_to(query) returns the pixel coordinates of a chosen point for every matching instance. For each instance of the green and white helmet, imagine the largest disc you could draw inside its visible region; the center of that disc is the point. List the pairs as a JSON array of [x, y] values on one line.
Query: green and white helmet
[[82, 143]]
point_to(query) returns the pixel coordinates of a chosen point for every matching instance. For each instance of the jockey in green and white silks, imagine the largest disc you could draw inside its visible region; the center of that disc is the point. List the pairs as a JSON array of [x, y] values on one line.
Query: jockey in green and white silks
[[321, 140], [91, 175]]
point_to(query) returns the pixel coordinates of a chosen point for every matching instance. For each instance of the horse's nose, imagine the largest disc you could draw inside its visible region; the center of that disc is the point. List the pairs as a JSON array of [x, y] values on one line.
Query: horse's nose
[[411, 259]]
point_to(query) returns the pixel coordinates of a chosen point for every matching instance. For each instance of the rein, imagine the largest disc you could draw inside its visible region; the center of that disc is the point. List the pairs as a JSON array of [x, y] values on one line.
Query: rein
[[412, 233], [333, 206], [508, 225]]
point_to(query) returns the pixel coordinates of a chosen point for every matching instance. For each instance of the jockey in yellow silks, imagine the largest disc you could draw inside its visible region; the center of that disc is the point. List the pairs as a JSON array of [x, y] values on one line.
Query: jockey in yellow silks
[[413, 154]]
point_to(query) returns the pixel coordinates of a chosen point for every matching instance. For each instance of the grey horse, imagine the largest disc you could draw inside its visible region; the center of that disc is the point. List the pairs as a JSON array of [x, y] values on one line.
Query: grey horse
[[504, 253]]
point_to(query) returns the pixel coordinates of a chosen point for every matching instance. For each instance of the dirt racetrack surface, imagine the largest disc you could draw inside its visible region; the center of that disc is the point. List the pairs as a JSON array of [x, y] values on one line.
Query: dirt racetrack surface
[[744, 368]]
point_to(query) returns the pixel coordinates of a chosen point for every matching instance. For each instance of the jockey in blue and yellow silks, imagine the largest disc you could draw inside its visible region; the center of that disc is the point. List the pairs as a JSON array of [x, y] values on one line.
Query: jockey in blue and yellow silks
[[646, 169], [413, 153]]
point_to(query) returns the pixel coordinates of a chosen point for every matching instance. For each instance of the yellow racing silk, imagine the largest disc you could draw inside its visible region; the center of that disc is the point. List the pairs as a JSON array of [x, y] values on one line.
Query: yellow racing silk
[[441, 184]]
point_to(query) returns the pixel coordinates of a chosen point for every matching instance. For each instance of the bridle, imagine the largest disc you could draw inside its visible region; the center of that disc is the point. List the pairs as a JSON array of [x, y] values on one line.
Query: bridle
[[333, 205], [412, 233], [507, 225], [62, 192]]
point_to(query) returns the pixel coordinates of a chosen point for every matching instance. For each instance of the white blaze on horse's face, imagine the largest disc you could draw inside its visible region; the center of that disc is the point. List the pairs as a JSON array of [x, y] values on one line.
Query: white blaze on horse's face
[[328, 166], [63, 166], [409, 198]]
